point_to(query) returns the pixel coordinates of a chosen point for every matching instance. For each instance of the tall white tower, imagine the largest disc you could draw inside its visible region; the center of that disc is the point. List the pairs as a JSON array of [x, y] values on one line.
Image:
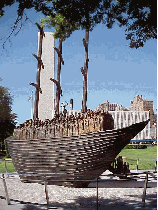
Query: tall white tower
[[46, 99]]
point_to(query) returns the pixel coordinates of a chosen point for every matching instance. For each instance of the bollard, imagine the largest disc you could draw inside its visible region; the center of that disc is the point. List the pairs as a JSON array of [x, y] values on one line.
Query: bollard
[[6, 191]]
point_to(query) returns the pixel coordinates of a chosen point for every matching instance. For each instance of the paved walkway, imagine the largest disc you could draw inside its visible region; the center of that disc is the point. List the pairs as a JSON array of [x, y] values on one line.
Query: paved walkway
[[31, 196]]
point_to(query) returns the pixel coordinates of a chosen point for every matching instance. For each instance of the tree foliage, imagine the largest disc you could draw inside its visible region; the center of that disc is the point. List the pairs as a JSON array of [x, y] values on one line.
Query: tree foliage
[[63, 28], [7, 119], [138, 17]]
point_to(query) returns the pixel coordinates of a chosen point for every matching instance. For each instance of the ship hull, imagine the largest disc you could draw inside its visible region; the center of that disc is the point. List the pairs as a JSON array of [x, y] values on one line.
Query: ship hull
[[79, 158]]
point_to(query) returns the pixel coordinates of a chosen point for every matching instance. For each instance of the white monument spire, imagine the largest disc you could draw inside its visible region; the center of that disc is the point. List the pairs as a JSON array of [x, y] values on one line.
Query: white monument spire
[[46, 99]]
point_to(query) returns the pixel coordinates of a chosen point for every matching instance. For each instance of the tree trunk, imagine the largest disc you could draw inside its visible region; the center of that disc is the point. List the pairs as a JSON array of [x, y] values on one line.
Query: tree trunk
[[58, 77], [85, 72], [38, 76]]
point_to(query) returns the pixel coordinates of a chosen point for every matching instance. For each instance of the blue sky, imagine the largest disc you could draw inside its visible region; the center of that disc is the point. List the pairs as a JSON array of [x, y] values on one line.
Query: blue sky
[[116, 72]]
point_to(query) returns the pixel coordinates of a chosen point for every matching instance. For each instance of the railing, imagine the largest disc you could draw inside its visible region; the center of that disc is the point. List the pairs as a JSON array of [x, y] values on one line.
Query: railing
[[147, 158]]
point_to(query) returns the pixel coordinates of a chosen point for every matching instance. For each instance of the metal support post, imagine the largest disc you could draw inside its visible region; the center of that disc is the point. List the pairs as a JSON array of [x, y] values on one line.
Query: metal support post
[[46, 192], [6, 191], [144, 191], [97, 193], [6, 169], [156, 164], [137, 164]]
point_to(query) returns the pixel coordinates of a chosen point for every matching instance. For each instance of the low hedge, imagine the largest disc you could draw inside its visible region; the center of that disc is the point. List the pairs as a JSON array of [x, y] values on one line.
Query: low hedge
[[137, 146]]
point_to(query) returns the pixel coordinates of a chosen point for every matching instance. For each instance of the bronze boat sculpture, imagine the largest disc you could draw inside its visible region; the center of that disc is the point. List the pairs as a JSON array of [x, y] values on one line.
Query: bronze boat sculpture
[[86, 156]]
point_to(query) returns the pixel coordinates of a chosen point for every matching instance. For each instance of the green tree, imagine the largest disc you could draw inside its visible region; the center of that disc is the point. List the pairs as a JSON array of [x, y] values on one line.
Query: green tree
[[7, 119], [138, 17], [63, 28]]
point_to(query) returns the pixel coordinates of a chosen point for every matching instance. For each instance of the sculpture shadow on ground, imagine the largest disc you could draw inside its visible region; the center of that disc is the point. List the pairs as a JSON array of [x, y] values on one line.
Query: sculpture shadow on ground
[[109, 204], [89, 203]]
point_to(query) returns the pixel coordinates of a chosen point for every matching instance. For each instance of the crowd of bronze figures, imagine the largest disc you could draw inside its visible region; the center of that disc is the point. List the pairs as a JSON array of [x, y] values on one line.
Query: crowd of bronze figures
[[61, 125]]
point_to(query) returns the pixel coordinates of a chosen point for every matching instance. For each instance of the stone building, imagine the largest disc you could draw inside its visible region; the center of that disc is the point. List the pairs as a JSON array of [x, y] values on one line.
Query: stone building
[[124, 117], [140, 104], [107, 106]]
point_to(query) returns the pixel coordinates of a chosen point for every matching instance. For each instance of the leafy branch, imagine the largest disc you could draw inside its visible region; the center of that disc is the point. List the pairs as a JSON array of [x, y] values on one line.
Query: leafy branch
[[15, 29], [63, 27]]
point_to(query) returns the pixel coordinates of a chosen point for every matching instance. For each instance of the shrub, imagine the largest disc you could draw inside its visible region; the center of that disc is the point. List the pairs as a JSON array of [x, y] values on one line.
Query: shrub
[[137, 146]]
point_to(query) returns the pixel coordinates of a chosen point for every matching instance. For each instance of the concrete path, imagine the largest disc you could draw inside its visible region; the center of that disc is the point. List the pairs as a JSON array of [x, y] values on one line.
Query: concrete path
[[112, 195]]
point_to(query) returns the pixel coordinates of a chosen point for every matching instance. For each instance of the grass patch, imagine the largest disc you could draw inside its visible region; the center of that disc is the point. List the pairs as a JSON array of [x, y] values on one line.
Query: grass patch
[[144, 163], [9, 165]]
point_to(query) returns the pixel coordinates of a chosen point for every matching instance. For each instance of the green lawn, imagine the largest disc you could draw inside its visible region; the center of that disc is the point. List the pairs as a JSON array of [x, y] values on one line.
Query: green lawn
[[9, 165], [144, 163]]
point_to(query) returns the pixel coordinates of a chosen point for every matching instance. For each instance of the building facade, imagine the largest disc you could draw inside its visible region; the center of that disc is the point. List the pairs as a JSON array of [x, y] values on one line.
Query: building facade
[[107, 106], [126, 118], [140, 104], [140, 110]]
